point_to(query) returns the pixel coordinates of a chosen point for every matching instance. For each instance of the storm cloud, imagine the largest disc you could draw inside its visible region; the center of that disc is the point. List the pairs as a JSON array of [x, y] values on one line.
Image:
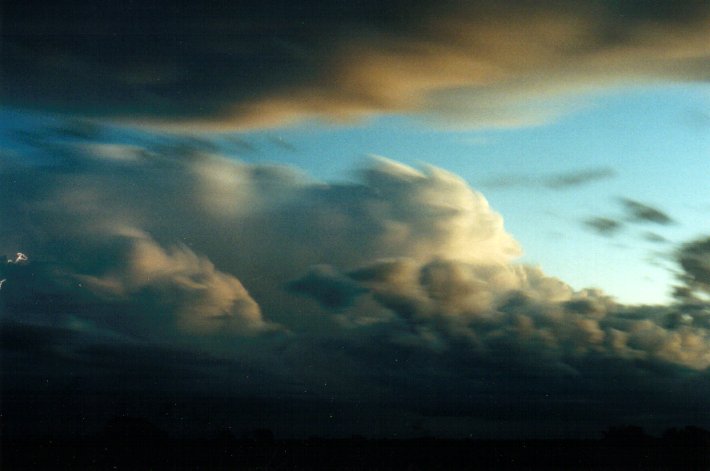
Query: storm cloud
[[250, 64], [398, 290]]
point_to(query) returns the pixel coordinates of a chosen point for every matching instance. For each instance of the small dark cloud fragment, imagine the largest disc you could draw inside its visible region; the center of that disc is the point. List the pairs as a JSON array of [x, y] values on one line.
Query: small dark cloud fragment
[[564, 181], [581, 306], [330, 288], [643, 213], [555, 181], [604, 226], [694, 258], [654, 237]]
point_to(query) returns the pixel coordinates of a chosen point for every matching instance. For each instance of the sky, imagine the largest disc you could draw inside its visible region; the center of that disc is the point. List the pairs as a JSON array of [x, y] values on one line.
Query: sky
[[484, 219]]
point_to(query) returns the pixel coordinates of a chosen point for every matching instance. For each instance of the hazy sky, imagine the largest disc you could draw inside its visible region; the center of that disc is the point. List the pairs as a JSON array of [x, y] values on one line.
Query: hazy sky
[[458, 218]]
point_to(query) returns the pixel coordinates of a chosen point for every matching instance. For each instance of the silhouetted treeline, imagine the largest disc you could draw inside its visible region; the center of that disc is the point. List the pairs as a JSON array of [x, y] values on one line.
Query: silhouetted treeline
[[135, 444]]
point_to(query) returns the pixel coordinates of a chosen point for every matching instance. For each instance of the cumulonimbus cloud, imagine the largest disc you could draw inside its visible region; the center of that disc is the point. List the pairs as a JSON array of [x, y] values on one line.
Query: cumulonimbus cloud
[[261, 265], [418, 244], [248, 64]]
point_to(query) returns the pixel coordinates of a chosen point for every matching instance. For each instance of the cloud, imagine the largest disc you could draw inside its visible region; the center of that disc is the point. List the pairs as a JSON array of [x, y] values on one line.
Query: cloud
[[497, 310], [635, 212], [128, 274], [481, 63], [694, 259], [558, 181], [655, 238], [573, 179], [603, 226], [399, 288], [327, 286], [640, 212], [202, 298]]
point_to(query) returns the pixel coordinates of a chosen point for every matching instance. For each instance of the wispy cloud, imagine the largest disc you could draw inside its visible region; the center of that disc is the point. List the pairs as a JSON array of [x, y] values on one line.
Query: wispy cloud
[[644, 213], [694, 258], [634, 212], [555, 181], [604, 226], [582, 177]]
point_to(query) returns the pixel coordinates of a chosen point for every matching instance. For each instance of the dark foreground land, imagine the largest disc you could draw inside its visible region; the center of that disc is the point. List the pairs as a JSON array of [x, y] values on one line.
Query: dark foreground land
[[354, 454]]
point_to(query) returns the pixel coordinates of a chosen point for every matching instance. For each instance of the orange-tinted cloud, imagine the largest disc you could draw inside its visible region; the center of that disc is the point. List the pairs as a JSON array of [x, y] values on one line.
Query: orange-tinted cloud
[[259, 64]]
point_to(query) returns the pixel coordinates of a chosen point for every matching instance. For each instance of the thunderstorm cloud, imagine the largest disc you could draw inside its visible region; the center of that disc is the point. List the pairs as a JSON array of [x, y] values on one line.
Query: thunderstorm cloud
[[396, 288]]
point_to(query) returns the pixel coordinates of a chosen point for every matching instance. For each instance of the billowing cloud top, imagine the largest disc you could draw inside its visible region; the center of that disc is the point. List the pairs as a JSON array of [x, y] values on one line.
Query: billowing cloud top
[[250, 63], [398, 288]]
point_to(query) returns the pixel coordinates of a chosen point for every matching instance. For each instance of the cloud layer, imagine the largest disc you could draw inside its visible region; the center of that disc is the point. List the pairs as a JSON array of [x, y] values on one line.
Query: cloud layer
[[398, 289], [254, 63]]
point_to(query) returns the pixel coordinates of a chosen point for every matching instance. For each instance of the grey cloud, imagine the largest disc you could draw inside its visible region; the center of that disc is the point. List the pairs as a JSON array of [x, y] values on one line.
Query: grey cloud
[[418, 296], [635, 212], [126, 281], [640, 212], [502, 309], [559, 181], [327, 286], [655, 238], [258, 63], [604, 226], [573, 179], [694, 259]]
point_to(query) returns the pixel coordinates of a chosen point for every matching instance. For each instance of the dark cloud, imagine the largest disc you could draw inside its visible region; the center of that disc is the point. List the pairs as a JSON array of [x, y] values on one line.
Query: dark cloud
[[573, 179], [640, 212], [635, 212], [18, 337], [174, 274], [604, 226], [328, 287], [263, 63], [559, 181], [655, 238], [694, 259]]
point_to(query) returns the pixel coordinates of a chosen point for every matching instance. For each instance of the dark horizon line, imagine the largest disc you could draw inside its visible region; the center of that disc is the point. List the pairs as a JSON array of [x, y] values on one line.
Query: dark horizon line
[[622, 448]]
